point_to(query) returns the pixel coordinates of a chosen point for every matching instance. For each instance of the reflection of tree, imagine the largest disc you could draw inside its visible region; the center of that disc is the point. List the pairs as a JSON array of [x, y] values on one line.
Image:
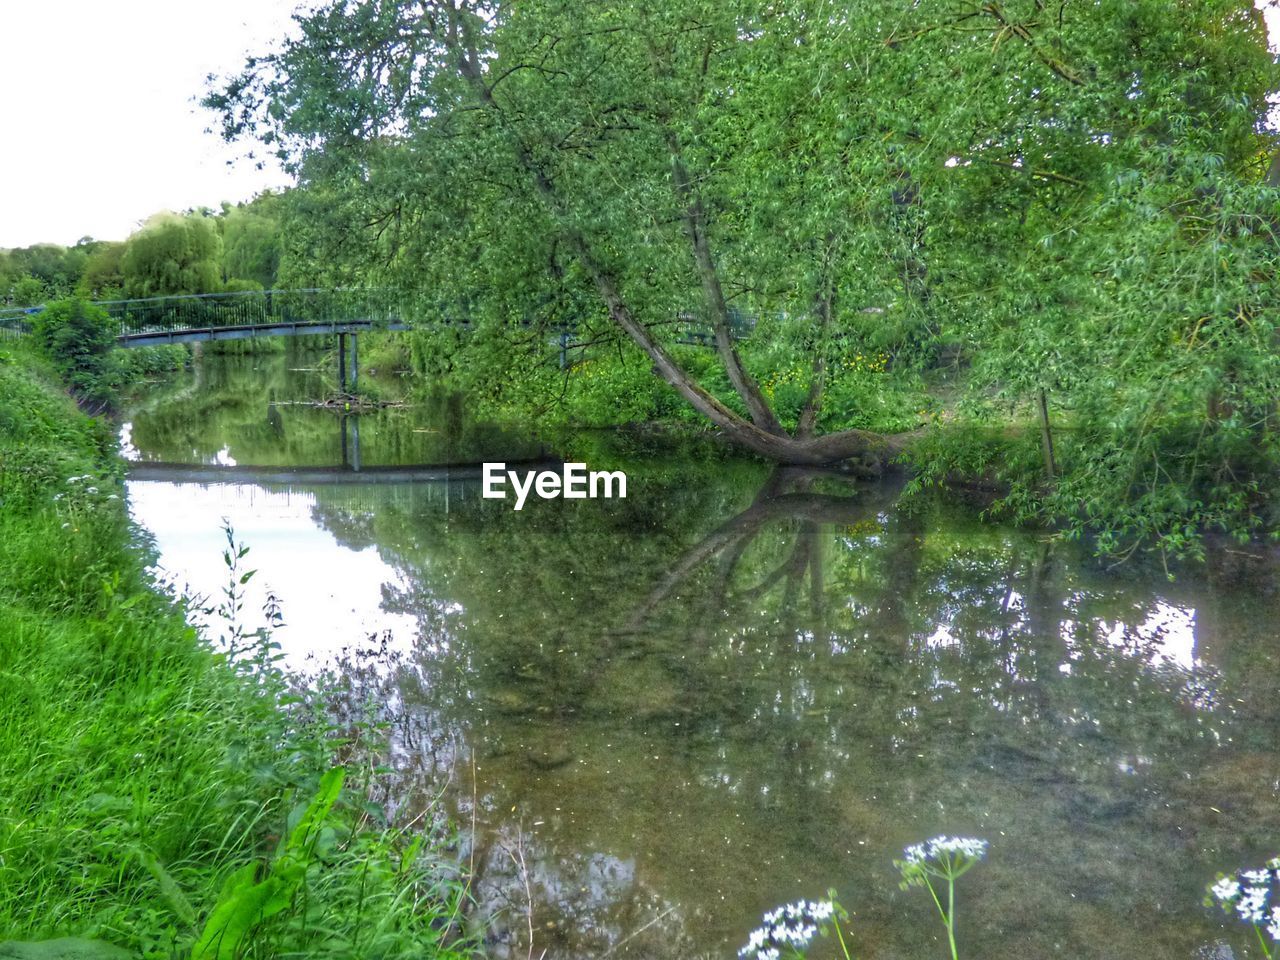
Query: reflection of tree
[[256, 410], [785, 496], [765, 705]]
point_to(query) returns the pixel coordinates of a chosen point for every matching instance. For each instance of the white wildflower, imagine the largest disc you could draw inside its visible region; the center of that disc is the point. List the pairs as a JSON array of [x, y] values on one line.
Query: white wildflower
[[793, 925], [1252, 905], [970, 848], [1225, 890], [1248, 894]]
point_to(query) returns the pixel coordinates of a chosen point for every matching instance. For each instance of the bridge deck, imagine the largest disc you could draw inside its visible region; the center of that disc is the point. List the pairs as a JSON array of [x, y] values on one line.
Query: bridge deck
[[284, 328], [275, 313]]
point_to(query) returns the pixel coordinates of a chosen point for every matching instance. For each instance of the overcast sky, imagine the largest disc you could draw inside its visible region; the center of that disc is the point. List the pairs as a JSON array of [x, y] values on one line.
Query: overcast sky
[[97, 107]]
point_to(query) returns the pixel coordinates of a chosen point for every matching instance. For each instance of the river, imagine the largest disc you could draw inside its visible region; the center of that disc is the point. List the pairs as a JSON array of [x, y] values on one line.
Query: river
[[653, 718]]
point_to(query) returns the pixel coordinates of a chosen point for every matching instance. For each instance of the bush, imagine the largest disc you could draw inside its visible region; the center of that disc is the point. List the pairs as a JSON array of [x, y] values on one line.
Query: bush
[[77, 338]]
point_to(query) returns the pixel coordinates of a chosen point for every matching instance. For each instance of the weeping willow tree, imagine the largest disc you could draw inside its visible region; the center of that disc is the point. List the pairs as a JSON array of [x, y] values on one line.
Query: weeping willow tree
[[1071, 196], [172, 254]]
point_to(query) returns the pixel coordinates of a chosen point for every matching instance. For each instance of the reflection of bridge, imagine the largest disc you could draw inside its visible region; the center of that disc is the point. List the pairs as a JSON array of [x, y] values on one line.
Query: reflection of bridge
[[470, 473], [414, 488]]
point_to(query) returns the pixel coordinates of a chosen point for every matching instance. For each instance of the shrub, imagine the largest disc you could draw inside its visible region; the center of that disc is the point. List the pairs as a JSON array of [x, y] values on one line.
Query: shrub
[[77, 338]]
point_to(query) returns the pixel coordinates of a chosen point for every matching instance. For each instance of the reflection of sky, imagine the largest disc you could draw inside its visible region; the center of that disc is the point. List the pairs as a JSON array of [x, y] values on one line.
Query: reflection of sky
[[127, 449], [331, 595], [1167, 636]]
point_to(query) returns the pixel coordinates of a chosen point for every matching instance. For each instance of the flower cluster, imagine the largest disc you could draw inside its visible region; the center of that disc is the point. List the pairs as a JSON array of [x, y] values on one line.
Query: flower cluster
[[791, 927], [1250, 895], [947, 858], [78, 501], [940, 848]]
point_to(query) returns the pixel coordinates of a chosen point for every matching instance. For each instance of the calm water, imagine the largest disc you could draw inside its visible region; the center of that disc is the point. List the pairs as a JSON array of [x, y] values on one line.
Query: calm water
[[736, 688]]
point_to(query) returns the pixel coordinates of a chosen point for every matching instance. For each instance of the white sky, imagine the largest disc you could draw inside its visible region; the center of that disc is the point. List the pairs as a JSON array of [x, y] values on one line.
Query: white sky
[[97, 107]]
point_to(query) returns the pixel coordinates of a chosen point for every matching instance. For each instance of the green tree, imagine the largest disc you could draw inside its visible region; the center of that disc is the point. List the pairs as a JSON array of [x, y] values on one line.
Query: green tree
[[251, 240], [55, 269], [77, 337], [103, 276], [27, 291], [1074, 198], [173, 254]]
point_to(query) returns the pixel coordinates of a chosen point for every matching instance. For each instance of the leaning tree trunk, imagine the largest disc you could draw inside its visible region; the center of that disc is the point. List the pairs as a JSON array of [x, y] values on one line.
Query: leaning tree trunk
[[762, 434]]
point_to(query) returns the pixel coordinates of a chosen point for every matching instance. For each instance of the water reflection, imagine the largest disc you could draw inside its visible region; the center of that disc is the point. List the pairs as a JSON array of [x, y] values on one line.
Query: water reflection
[[660, 716], [261, 410]]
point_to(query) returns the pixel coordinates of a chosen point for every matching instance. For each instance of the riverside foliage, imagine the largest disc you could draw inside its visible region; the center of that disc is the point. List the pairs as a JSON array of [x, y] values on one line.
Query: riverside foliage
[[148, 777], [1069, 204]]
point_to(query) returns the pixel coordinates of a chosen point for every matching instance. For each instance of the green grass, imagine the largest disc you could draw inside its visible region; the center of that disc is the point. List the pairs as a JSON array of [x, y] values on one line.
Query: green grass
[[139, 768]]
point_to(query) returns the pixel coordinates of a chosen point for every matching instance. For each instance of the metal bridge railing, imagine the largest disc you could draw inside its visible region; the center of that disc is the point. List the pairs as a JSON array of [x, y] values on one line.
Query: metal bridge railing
[[306, 307], [256, 308], [15, 322]]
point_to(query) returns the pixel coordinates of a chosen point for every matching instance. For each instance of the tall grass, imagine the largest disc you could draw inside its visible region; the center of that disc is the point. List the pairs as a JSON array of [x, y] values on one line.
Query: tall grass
[[142, 771]]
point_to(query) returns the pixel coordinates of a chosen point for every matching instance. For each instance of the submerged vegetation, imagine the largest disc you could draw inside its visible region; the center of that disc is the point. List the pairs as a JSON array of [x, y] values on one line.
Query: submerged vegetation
[[160, 794]]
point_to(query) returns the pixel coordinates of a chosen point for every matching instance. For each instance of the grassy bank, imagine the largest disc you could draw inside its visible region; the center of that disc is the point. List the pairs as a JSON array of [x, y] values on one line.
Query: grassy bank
[[158, 795]]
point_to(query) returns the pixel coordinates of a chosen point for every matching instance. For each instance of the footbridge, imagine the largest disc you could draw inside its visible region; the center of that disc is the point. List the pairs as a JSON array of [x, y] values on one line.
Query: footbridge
[[346, 312], [154, 321]]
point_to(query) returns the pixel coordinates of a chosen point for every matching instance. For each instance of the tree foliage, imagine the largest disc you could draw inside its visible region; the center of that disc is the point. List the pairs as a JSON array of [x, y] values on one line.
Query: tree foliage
[[251, 240], [1072, 197], [77, 338], [173, 254]]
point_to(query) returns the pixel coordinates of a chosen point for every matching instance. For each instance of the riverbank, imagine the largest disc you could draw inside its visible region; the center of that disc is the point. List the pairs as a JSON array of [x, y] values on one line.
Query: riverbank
[[155, 787]]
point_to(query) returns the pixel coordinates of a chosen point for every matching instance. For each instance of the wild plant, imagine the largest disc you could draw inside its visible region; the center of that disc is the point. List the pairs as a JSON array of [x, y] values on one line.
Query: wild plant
[[943, 859], [788, 931], [247, 902], [236, 641], [343, 881], [1250, 896]]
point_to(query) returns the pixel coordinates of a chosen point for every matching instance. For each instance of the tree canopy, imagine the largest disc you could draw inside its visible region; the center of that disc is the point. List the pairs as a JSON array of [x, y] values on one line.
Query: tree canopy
[[1073, 198], [173, 255]]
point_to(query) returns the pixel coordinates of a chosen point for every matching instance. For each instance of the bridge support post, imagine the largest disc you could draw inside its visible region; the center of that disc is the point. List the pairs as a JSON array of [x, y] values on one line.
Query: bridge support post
[[355, 362], [342, 363], [351, 442]]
